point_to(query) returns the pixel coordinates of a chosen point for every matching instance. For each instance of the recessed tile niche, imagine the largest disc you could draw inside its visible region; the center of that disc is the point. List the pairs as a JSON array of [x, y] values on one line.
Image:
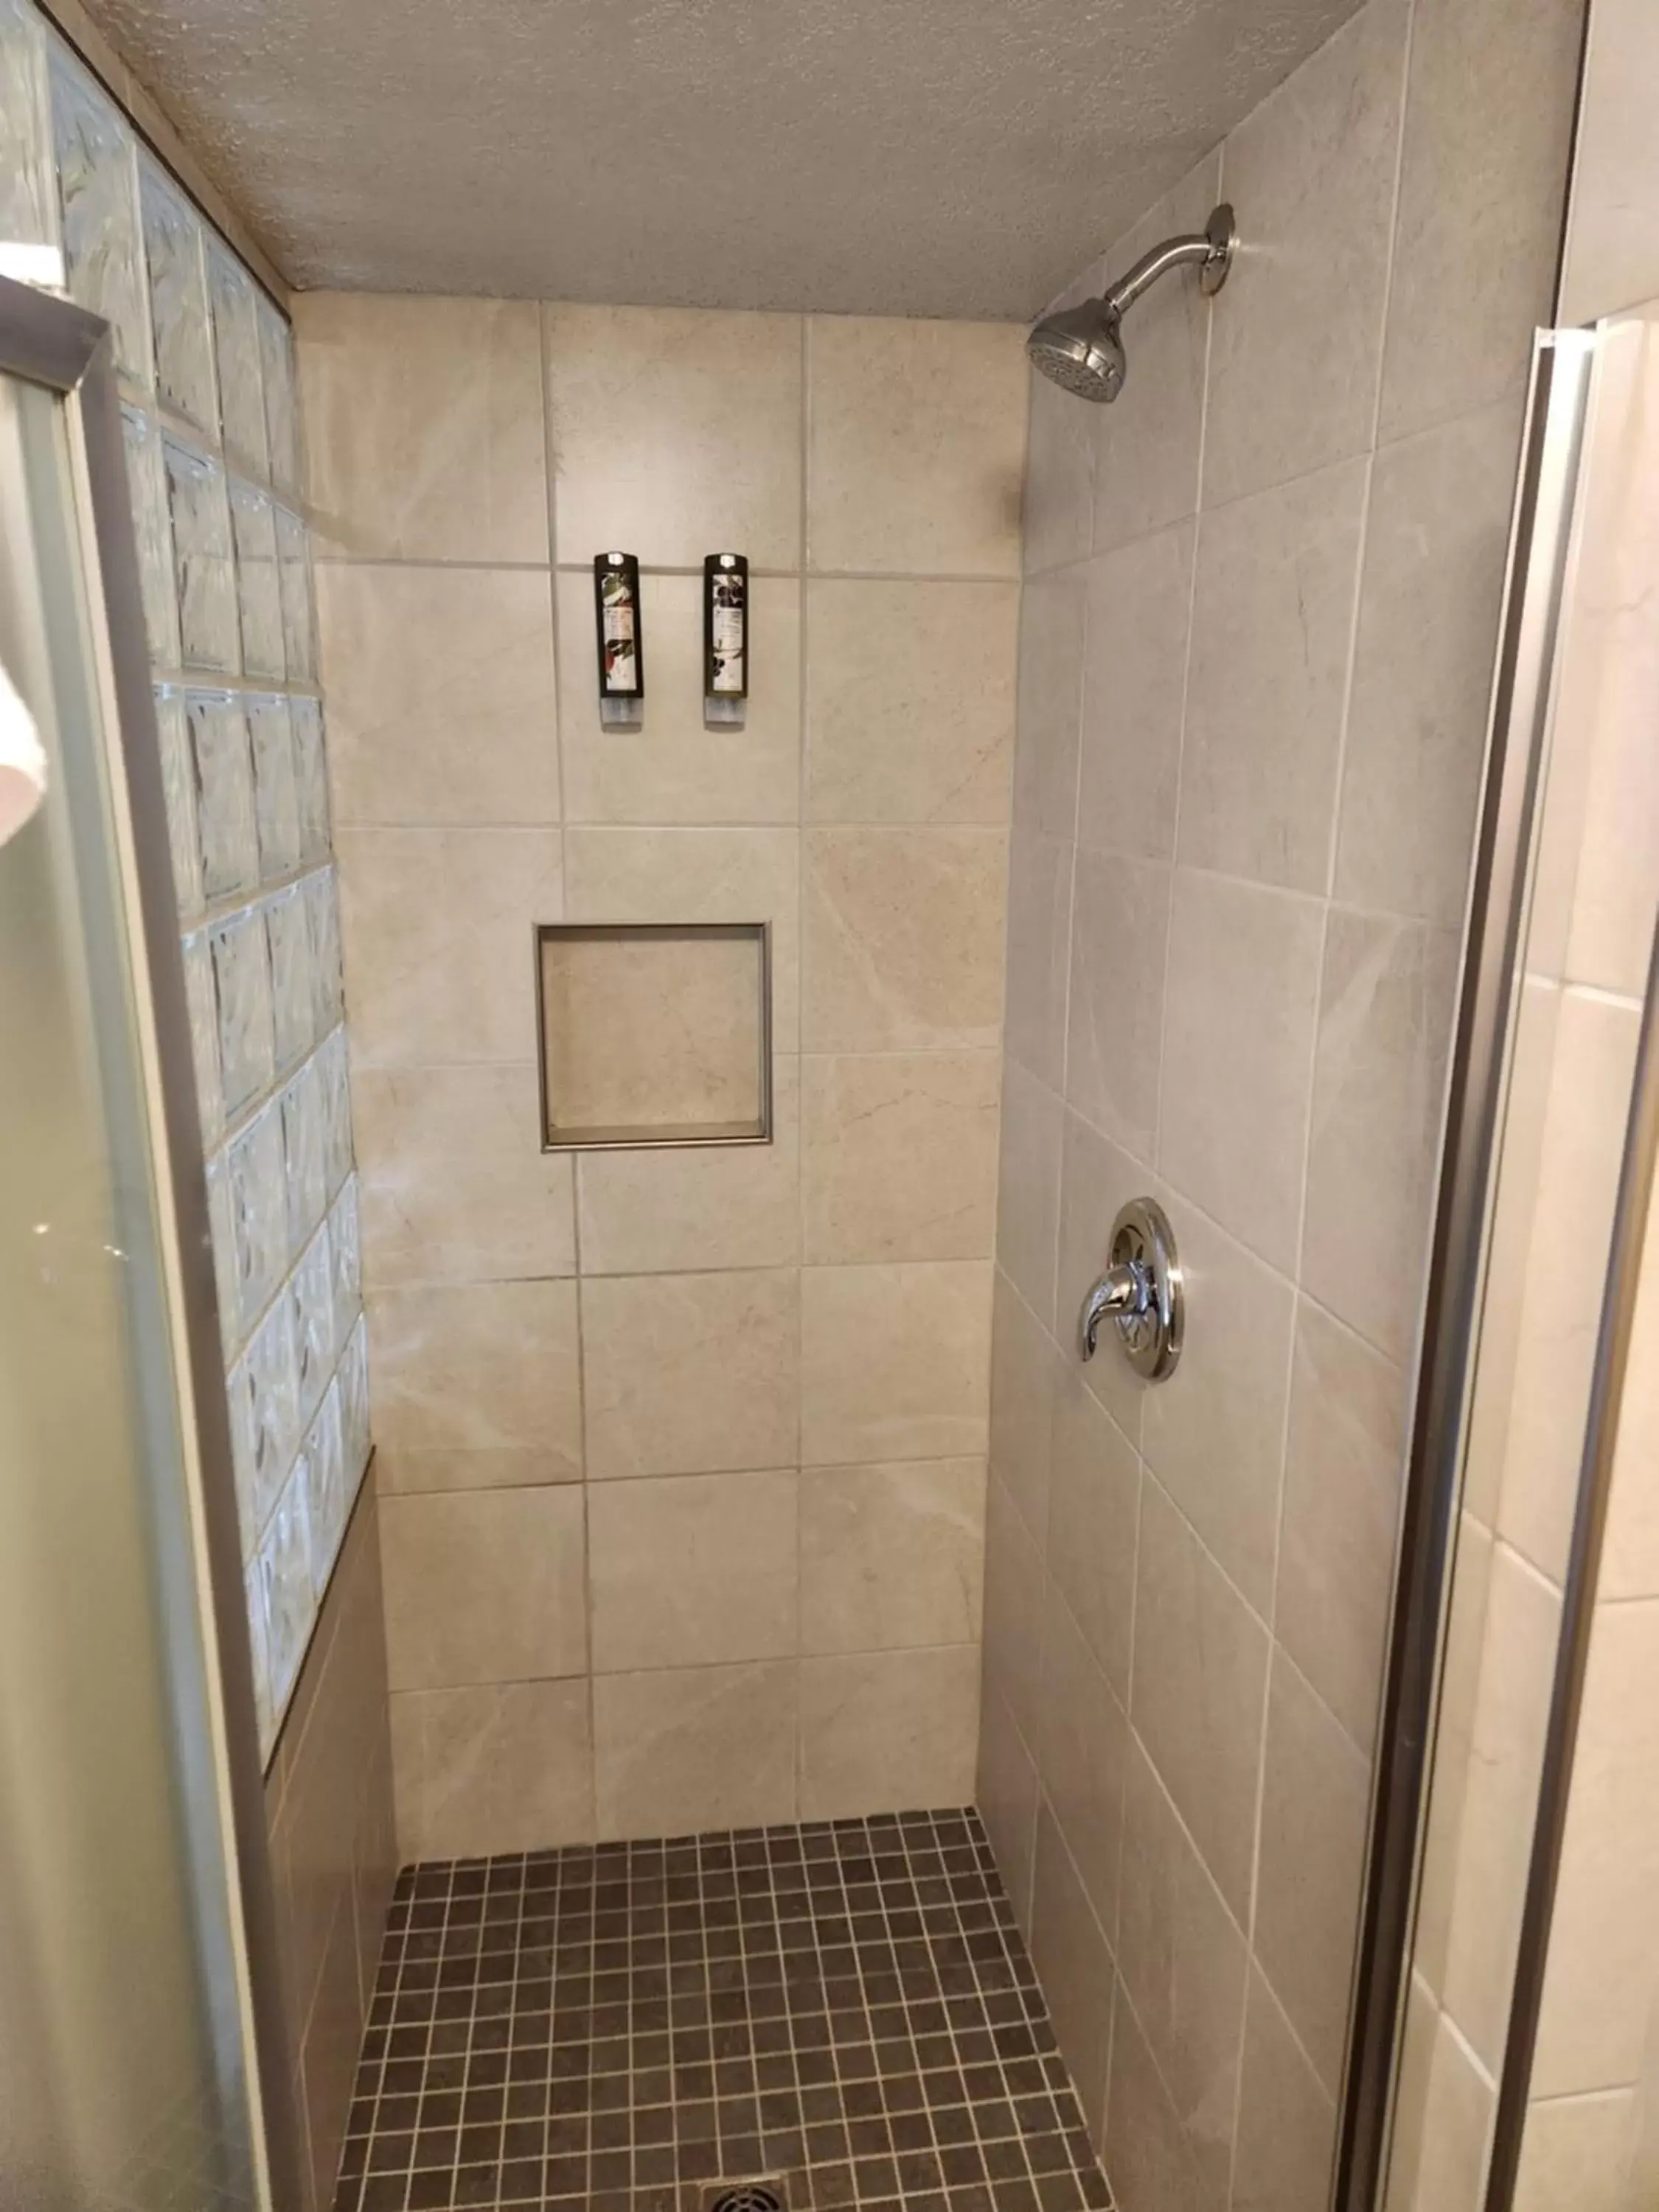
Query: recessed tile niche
[[654, 1034]]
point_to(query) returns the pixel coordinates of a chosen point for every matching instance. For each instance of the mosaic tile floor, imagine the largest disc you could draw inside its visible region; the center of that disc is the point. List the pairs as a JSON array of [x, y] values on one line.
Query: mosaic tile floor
[[845, 2010]]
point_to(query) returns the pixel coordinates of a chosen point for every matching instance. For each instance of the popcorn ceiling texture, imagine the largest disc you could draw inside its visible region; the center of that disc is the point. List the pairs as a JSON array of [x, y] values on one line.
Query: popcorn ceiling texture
[[953, 157]]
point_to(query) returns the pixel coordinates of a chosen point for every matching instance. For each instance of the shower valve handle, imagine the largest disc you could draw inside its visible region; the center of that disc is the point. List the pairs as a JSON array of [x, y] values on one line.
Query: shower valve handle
[[1140, 1293], [1126, 1289]]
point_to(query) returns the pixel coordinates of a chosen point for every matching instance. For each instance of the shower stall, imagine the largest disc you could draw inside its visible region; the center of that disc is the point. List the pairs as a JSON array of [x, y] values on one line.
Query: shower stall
[[1006, 1543]]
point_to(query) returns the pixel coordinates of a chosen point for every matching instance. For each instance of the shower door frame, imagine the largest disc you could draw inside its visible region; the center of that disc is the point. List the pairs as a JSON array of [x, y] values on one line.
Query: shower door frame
[[1499, 895], [47, 341]]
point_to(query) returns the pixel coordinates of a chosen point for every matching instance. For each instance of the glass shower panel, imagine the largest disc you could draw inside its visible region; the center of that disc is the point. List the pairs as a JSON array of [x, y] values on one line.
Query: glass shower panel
[[125, 2071], [1575, 1029]]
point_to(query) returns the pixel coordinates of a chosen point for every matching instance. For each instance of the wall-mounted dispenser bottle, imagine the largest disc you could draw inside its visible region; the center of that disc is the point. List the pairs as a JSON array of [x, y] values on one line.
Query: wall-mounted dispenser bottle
[[620, 634], [725, 640]]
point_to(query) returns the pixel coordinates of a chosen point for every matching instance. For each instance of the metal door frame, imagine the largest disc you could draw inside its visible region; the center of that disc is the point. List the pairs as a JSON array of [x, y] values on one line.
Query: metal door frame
[[48, 341]]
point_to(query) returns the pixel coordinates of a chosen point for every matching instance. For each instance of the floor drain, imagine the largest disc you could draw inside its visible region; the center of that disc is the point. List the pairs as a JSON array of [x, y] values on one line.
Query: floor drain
[[744, 2197]]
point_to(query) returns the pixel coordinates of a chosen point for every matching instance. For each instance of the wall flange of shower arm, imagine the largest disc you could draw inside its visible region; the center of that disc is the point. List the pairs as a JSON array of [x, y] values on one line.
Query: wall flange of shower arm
[[1081, 349]]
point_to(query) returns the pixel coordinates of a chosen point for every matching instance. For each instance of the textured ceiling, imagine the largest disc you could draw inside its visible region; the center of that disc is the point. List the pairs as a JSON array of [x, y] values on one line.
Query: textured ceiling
[[928, 157]]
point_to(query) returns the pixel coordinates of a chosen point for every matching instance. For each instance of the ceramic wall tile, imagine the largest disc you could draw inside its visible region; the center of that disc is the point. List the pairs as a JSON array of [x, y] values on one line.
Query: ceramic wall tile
[[1243, 987], [693, 1570], [437, 929], [691, 1748], [1272, 621], [1094, 1513], [440, 693], [894, 1361], [507, 1767], [1436, 540], [1140, 614], [1489, 118], [455, 1186], [904, 938], [675, 432], [891, 1557], [476, 1385], [1384, 1027], [1343, 1459], [886, 1726], [690, 1374], [1184, 1963], [423, 422], [1115, 1004], [909, 693], [486, 1586], [899, 1157], [1312, 172], [1316, 1796], [916, 446], [1082, 1747], [1201, 1672]]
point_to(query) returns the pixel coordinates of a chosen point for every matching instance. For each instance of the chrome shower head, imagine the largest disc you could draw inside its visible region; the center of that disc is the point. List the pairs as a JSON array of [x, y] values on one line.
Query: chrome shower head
[[1081, 349]]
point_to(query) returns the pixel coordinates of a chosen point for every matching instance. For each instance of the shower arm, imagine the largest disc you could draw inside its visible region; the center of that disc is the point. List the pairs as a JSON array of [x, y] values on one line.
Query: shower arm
[[1211, 248]]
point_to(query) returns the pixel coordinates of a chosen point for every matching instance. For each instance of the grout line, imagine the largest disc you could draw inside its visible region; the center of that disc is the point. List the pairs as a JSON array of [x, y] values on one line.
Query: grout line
[[576, 1183]]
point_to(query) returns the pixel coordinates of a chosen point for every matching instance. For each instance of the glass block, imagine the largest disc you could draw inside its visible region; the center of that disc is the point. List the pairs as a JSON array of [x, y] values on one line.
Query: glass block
[[241, 982], [148, 488], [285, 1577], [345, 1256], [204, 567], [310, 778], [276, 805], [240, 1394], [299, 621], [225, 818], [265, 1384], [179, 789], [222, 1229], [311, 1297], [290, 975], [28, 202], [264, 1717], [329, 1500], [303, 1107], [97, 196], [178, 298], [337, 1109], [259, 590], [203, 1005], [354, 1403], [323, 912], [282, 407], [236, 350], [258, 1213]]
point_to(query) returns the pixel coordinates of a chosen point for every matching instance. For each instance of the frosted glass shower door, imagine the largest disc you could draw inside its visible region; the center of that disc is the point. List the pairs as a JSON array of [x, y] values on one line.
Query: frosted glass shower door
[[126, 2080]]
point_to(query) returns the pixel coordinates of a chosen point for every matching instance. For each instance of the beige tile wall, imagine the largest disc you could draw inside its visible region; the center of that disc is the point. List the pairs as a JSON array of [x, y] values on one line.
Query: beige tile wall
[[1258, 624], [681, 1452]]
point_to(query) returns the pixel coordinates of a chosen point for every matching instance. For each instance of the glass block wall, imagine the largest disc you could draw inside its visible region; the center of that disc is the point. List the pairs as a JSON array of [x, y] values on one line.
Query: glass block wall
[[213, 447]]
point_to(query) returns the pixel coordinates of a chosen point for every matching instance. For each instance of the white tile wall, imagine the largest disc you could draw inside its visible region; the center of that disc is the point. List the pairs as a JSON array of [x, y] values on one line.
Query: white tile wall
[[214, 457]]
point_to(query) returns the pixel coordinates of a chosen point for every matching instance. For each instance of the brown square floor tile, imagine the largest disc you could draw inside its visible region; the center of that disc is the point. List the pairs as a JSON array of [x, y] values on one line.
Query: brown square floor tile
[[844, 2011]]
